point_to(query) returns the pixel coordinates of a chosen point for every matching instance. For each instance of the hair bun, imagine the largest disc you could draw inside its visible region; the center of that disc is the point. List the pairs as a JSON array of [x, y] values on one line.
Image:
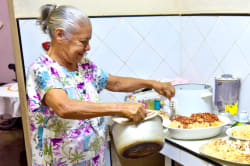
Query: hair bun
[[46, 11]]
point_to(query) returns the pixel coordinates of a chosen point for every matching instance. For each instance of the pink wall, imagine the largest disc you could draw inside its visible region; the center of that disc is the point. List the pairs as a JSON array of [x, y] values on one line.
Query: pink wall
[[6, 49]]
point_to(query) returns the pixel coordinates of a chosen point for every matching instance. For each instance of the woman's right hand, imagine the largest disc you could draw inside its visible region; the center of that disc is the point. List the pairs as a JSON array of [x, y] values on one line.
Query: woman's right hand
[[134, 111]]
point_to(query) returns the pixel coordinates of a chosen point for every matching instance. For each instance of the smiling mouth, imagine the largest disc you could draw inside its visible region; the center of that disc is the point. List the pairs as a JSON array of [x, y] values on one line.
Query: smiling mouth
[[81, 54]]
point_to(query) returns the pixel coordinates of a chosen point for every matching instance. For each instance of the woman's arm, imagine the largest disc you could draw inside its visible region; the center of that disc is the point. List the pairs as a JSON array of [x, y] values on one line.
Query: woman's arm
[[67, 108], [128, 84]]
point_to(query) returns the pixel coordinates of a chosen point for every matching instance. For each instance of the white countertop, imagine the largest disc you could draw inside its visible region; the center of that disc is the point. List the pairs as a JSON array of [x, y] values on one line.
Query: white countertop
[[192, 145]]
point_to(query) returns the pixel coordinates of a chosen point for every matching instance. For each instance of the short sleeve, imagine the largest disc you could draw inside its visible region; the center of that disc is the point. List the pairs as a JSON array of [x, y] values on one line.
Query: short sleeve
[[39, 81], [100, 79]]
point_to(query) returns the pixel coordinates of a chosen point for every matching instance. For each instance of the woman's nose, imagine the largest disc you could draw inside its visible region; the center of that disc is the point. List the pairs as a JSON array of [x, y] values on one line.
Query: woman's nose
[[87, 48]]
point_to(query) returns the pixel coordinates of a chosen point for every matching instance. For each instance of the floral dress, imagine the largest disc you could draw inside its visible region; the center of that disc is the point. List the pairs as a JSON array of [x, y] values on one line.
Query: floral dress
[[64, 142]]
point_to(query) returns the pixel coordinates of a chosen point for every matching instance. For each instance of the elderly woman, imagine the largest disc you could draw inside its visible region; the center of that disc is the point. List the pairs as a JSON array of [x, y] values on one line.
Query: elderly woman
[[66, 115]]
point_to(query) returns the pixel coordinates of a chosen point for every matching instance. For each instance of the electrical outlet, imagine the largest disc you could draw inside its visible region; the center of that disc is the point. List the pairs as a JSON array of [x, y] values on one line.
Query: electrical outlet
[[1, 24]]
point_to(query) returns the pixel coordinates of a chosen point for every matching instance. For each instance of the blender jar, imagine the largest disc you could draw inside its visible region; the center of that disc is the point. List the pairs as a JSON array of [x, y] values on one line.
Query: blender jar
[[227, 90]]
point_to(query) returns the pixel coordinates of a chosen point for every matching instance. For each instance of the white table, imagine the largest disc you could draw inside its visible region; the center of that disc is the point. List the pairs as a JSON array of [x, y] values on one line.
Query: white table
[[9, 101], [186, 152]]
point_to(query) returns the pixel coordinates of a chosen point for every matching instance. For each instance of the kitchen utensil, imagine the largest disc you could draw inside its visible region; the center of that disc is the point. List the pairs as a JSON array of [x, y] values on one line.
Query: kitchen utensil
[[172, 108], [192, 98], [124, 120], [197, 133], [138, 140], [227, 90]]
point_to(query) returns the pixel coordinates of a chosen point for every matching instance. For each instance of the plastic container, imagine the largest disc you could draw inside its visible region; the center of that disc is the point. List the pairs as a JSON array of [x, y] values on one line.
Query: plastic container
[[157, 104], [243, 117]]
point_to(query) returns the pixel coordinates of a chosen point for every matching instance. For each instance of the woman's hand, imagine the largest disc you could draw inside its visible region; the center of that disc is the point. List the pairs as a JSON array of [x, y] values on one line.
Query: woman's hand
[[164, 88], [134, 111]]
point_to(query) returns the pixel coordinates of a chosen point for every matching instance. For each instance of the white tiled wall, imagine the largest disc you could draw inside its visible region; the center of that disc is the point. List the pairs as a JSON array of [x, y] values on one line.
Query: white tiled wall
[[197, 48]]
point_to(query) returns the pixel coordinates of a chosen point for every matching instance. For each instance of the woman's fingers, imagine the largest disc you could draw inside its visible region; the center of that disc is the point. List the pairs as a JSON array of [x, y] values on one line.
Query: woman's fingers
[[137, 112], [169, 94], [139, 115], [132, 111], [143, 113], [172, 90], [165, 88]]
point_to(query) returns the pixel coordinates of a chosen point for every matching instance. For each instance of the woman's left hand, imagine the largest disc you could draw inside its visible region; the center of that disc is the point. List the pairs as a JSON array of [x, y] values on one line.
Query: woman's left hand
[[164, 88]]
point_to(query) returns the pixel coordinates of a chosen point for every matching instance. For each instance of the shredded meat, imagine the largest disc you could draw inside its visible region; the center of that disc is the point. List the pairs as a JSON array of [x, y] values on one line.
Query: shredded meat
[[198, 117]]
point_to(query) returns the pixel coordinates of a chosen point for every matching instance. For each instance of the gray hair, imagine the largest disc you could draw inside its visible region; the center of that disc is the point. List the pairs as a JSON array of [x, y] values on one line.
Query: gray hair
[[65, 17]]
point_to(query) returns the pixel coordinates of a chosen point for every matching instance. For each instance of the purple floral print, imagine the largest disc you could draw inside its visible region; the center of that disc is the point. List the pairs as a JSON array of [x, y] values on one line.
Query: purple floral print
[[57, 141]]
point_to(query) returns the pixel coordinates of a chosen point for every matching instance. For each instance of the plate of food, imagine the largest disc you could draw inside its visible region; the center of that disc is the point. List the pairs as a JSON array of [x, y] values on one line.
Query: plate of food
[[239, 132], [230, 152], [196, 126]]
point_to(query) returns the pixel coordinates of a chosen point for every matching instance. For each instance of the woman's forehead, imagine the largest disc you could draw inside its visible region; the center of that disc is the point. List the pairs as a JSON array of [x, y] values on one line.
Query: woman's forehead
[[84, 31]]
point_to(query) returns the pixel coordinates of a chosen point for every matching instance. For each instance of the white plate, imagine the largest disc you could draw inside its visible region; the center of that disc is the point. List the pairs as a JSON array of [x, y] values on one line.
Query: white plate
[[197, 133], [228, 132], [227, 162]]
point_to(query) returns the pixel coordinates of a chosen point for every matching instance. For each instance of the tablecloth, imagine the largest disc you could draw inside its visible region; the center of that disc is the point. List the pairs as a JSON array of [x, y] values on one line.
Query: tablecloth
[[9, 101]]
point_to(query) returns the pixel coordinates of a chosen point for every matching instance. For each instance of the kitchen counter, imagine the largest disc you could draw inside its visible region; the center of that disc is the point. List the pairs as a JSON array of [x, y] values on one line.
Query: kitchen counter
[[186, 152]]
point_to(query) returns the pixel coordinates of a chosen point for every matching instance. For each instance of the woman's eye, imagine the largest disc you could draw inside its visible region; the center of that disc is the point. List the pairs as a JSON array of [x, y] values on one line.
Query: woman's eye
[[84, 42]]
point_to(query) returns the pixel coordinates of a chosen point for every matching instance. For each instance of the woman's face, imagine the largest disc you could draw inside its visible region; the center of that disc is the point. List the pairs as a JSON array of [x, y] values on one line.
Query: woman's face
[[77, 46]]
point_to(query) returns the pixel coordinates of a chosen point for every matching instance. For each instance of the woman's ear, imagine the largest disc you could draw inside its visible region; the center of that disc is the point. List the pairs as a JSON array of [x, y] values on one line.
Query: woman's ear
[[59, 34]]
